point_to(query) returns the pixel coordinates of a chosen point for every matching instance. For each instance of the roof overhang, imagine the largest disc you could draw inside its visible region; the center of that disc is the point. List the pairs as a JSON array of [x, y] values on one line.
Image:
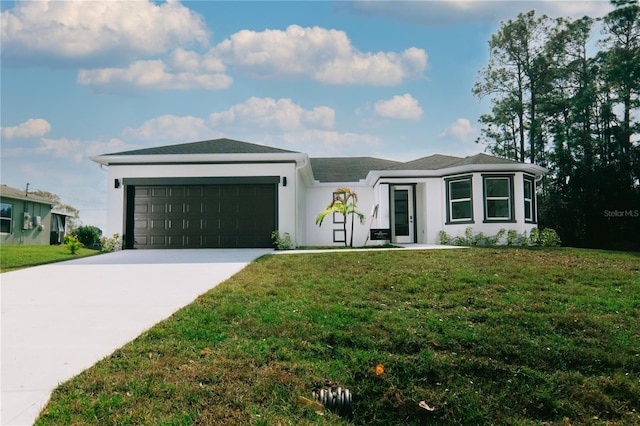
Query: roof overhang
[[61, 213], [109, 160], [28, 198]]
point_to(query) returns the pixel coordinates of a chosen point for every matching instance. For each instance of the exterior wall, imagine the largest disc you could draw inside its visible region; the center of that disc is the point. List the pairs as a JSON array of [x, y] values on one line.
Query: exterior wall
[[34, 234], [301, 211], [286, 194], [319, 197]]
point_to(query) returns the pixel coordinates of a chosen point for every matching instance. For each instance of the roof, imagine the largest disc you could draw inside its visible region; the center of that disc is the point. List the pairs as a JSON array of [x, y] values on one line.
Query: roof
[[353, 169], [437, 162], [432, 162], [347, 169], [20, 194], [215, 146], [323, 169]]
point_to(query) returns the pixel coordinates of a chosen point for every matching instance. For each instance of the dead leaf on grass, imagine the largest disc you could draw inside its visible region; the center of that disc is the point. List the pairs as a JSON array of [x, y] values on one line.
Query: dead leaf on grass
[[426, 406]]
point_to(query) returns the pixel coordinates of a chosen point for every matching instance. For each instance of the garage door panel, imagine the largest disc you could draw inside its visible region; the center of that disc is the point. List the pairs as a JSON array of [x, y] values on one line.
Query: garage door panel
[[141, 224], [204, 216], [176, 191], [158, 208], [141, 208]]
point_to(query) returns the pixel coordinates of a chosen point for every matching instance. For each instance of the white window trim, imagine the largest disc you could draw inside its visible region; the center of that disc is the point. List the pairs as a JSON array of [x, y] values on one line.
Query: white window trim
[[531, 210], [509, 199], [451, 201]]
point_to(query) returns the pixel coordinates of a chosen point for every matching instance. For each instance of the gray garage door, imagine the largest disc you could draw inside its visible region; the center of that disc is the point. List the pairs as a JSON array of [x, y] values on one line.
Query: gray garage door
[[203, 216]]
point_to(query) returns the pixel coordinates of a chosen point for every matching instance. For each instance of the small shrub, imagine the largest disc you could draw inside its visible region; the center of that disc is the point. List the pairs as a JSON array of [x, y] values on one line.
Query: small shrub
[[111, 244], [468, 235], [282, 242], [498, 237], [545, 238], [89, 236], [445, 239], [548, 238], [516, 239], [534, 237], [72, 243], [479, 239]]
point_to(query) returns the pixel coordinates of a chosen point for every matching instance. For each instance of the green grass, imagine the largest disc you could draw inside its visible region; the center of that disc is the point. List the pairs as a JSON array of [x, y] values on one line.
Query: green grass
[[486, 336], [14, 257]]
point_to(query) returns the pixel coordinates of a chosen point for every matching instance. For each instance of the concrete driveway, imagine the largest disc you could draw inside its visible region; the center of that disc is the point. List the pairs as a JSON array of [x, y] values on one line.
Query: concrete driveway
[[57, 320]]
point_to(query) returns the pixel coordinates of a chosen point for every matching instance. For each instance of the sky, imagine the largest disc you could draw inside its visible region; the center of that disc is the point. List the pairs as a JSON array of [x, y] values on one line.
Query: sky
[[387, 79]]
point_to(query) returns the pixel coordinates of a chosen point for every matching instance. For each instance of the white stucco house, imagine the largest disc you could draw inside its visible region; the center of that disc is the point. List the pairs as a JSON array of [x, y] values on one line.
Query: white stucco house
[[227, 193]]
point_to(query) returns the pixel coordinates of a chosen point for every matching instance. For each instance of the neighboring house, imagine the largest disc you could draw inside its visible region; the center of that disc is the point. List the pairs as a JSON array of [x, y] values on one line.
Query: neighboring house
[[27, 218], [226, 193]]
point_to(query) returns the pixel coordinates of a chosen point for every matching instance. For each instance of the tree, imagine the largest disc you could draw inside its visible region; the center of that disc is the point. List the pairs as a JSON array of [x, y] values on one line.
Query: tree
[[344, 202], [579, 114], [88, 235], [72, 221], [621, 66], [515, 78]]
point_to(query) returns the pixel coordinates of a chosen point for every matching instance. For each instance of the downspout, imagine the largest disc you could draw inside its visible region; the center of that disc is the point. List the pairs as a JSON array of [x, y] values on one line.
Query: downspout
[[25, 210], [299, 167]]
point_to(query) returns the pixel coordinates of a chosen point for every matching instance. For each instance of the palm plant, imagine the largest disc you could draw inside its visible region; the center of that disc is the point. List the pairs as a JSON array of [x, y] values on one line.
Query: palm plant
[[344, 202]]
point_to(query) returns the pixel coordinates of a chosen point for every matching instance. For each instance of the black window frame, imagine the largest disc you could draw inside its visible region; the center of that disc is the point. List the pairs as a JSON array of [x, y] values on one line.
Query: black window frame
[[448, 182], [6, 219], [532, 209], [510, 198]]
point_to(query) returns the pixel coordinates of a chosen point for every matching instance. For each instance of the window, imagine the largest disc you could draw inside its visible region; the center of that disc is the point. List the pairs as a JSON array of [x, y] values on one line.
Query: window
[[498, 198], [6, 215], [459, 208], [529, 206]]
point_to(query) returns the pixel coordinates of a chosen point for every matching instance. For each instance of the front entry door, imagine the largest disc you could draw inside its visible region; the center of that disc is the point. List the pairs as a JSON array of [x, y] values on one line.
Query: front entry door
[[402, 214]]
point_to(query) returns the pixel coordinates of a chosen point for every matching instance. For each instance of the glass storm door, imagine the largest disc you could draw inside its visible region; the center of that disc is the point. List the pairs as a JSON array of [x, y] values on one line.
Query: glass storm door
[[402, 214]]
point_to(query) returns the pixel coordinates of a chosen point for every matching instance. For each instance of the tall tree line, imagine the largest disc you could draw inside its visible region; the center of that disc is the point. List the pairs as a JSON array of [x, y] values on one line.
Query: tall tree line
[[559, 104]]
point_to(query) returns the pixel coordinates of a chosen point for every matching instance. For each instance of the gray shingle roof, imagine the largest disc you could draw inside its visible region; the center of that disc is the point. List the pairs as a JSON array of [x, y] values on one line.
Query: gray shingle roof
[[328, 169], [484, 159], [19, 194], [437, 162], [215, 146], [347, 169], [432, 162]]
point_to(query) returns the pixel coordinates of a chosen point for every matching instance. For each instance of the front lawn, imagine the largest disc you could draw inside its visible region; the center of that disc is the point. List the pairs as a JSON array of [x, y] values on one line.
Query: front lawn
[[14, 257], [482, 335]]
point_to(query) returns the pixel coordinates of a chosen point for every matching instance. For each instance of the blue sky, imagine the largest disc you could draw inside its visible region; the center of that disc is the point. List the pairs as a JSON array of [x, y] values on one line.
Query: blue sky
[[387, 79]]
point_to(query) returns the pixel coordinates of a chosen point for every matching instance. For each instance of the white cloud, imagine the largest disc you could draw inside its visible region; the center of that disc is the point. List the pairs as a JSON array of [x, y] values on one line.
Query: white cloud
[[170, 127], [403, 107], [327, 143], [76, 149], [156, 75], [461, 130], [460, 12], [324, 55], [103, 147], [263, 114], [95, 30], [33, 127], [62, 147], [268, 113]]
